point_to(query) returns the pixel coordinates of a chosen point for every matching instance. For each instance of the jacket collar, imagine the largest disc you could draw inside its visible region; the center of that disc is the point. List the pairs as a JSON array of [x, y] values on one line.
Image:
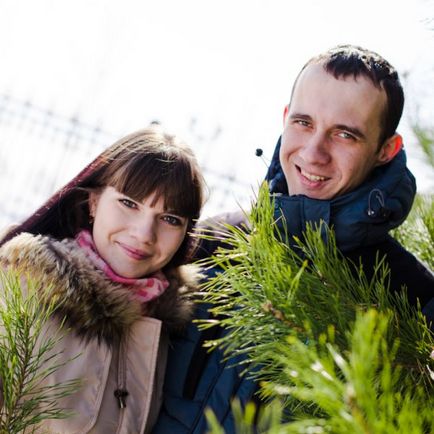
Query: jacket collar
[[359, 218]]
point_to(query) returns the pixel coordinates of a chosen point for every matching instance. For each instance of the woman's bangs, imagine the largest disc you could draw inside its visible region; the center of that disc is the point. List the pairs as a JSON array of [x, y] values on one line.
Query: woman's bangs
[[181, 191], [170, 180]]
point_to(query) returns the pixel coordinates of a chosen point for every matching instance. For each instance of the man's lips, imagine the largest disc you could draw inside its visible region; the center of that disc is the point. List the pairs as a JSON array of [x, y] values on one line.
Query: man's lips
[[312, 176], [133, 252]]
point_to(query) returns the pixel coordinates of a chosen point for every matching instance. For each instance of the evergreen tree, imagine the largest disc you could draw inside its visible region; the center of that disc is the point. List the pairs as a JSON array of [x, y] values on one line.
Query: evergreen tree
[[337, 352], [27, 357]]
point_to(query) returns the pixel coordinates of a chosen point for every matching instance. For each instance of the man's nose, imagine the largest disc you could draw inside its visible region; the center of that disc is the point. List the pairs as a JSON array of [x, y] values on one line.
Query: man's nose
[[315, 149]]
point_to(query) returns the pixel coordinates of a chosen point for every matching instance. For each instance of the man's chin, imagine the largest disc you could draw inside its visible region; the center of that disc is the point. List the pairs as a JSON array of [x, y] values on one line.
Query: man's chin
[[311, 193]]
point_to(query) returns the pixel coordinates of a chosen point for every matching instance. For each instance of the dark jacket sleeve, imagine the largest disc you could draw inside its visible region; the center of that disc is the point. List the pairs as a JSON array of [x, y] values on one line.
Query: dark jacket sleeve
[[197, 379], [215, 227], [406, 271]]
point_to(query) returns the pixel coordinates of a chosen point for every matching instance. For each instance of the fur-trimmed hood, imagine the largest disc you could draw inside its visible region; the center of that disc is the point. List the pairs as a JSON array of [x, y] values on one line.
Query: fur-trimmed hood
[[89, 302]]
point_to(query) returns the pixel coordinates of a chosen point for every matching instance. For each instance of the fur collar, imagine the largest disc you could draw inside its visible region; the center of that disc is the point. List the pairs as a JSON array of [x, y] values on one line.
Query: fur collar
[[90, 303]]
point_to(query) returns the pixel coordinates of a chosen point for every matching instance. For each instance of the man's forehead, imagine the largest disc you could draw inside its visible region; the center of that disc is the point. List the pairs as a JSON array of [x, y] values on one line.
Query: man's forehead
[[350, 101], [317, 77], [316, 72]]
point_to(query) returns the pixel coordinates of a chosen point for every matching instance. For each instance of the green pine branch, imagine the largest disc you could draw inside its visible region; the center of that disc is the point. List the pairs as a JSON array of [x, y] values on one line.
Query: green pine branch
[[425, 138], [339, 351], [27, 357], [352, 392], [417, 232]]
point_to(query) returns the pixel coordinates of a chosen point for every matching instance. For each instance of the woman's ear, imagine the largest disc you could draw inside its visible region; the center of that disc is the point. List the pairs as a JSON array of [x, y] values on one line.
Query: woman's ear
[[93, 202], [389, 149]]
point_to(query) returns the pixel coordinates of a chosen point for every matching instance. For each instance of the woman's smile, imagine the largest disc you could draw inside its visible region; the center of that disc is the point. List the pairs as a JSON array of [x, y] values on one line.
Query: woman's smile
[[133, 253]]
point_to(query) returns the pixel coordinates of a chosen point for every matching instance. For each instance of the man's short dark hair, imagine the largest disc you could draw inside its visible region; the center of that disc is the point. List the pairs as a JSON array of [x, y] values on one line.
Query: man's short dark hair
[[349, 60]]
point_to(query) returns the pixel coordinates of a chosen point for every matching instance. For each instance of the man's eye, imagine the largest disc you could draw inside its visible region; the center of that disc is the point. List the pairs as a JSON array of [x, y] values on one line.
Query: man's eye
[[128, 203], [301, 122], [346, 136]]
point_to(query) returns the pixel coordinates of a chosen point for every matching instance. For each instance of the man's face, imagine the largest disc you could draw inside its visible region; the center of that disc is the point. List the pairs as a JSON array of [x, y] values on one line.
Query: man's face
[[331, 133]]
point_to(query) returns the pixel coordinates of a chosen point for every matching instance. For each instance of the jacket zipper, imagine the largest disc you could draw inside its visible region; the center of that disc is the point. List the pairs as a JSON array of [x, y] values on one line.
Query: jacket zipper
[[121, 393]]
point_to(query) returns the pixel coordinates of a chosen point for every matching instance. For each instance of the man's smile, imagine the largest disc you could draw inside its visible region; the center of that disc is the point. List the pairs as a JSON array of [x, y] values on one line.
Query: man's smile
[[311, 176]]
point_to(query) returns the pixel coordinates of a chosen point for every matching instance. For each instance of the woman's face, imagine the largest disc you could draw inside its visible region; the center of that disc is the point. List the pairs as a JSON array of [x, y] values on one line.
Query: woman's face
[[135, 238]]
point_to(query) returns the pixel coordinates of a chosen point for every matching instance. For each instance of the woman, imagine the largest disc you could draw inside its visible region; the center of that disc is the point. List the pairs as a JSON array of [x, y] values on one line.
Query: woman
[[111, 244]]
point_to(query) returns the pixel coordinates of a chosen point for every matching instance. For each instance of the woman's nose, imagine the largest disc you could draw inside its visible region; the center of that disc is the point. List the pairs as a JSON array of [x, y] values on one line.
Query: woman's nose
[[315, 149], [145, 230]]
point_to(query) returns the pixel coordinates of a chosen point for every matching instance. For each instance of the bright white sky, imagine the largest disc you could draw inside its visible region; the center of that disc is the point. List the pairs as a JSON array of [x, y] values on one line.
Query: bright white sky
[[228, 64]]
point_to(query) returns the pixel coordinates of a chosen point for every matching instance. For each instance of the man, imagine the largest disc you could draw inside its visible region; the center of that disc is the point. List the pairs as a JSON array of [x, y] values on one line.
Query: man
[[339, 160]]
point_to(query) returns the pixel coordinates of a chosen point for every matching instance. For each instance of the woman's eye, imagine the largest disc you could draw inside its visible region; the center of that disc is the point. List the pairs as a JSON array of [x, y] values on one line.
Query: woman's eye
[[173, 220], [128, 203]]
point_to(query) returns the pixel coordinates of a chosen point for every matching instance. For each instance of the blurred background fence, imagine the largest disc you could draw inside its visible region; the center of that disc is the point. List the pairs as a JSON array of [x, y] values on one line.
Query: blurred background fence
[[78, 75], [41, 150]]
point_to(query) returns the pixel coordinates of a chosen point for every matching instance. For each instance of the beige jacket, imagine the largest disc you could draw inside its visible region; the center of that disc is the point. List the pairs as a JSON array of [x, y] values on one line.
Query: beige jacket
[[117, 352]]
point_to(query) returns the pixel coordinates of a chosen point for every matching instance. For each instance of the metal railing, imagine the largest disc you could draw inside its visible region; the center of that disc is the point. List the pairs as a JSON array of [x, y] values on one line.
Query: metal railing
[[41, 150]]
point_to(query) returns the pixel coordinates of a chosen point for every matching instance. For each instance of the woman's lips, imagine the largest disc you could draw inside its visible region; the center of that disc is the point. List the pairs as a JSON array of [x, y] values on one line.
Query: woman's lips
[[133, 252]]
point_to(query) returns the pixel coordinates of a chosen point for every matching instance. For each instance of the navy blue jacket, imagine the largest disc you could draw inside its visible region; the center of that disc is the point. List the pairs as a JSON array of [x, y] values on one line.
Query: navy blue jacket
[[197, 379], [361, 219]]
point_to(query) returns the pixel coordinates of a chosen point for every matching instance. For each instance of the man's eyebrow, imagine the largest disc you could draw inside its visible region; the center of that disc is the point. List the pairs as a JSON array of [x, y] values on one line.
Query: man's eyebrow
[[300, 116], [351, 130]]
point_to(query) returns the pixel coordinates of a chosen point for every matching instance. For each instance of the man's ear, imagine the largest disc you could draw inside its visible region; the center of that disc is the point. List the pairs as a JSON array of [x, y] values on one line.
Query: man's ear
[[285, 115], [389, 149]]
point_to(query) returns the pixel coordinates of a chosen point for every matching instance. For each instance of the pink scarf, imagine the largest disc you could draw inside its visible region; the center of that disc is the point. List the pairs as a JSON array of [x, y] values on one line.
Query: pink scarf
[[144, 290]]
